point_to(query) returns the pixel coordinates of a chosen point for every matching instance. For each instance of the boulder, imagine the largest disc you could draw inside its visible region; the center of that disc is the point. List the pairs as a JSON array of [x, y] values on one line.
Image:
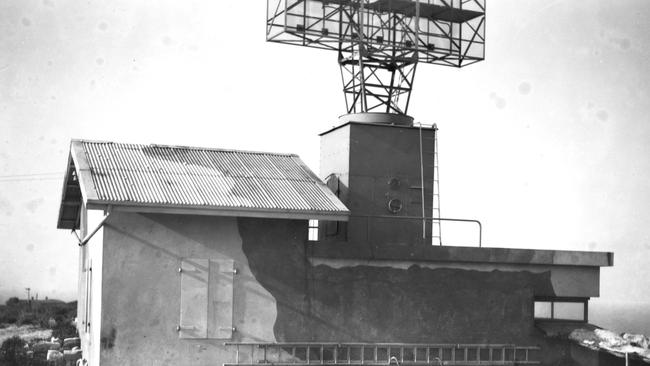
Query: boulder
[[71, 357], [45, 346], [638, 340], [70, 343], [53, 355], [609, 338], [602, 339]]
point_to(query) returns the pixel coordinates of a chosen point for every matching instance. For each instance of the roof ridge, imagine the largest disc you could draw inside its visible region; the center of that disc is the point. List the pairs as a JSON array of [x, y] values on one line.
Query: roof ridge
[[185, 147]]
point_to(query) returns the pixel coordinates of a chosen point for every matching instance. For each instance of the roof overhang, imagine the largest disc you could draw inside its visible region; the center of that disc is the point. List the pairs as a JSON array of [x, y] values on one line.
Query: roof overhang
[[217, 211], [71, 199]]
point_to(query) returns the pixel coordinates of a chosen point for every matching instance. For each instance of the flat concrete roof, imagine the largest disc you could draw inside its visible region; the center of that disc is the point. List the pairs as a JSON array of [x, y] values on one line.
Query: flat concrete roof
[[368, 251]]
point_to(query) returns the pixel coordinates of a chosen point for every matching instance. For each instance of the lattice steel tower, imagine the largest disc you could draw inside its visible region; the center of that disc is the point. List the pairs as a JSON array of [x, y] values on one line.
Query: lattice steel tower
[[381, 42], [379, 45]]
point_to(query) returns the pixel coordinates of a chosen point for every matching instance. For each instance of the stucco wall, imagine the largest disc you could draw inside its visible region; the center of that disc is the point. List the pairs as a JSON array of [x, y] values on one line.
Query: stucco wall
[[366, 303], [141, 298], [81, 285], [281, 295], [89, 305]]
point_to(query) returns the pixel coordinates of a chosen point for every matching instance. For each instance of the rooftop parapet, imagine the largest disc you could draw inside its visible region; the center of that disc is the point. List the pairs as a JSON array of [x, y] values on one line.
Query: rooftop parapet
[[430, 253]]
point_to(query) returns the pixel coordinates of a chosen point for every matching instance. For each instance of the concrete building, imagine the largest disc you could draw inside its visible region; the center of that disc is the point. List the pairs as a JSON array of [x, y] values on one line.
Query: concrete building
[[196, 256]]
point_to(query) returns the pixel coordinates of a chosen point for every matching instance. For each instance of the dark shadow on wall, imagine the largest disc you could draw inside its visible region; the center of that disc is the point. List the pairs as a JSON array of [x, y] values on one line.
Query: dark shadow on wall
[[382, 304]]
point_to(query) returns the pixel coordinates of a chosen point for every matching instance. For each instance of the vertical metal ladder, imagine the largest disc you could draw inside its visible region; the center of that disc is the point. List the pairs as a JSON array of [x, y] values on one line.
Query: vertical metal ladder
[[436, 229]]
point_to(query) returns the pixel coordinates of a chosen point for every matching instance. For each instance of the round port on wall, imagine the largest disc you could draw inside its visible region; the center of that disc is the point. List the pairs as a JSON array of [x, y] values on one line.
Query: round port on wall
[[395, 205]]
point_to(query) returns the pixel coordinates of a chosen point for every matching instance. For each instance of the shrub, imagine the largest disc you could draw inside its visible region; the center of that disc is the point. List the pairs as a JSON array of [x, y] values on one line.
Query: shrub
[[8, 315], [25, 317], [13, 351], [13, 301], [64, 330]]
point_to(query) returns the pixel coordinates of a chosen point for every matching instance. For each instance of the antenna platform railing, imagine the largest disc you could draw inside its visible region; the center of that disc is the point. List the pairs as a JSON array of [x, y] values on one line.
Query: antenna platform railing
[[374, 354], [368, 219]]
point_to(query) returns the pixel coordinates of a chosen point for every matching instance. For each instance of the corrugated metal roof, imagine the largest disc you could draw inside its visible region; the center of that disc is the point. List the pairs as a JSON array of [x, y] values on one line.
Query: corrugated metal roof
[[189, 177]]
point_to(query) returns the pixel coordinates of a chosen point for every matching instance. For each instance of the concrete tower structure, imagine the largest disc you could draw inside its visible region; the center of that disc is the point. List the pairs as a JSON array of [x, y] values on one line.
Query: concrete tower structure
[[381, 166]]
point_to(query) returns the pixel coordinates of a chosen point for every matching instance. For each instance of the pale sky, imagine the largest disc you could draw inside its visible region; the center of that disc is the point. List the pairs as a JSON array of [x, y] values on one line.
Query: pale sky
[[547, 141]]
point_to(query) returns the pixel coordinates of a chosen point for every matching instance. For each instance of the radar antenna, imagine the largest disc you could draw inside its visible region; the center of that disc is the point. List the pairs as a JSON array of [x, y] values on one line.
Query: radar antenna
[[381, 42]]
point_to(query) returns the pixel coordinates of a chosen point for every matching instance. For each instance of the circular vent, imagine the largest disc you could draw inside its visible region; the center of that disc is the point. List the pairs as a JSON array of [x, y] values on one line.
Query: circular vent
[[395, 205]]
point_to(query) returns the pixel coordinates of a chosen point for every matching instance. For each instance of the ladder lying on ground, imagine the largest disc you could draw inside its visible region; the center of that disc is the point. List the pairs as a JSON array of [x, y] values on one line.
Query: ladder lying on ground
[[349, 354]]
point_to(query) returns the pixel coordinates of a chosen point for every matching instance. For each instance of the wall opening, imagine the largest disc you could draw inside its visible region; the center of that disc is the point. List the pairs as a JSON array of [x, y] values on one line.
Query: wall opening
[[313, 230], [561, 309]]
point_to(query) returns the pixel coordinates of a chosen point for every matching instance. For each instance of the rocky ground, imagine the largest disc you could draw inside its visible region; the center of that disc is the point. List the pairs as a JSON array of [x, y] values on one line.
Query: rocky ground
[[34, 333], [28, 333]]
